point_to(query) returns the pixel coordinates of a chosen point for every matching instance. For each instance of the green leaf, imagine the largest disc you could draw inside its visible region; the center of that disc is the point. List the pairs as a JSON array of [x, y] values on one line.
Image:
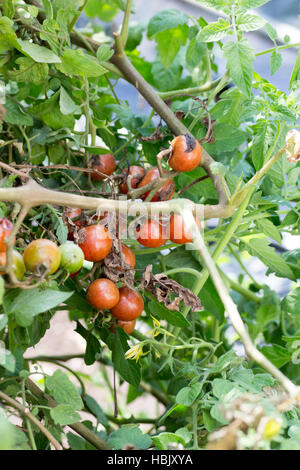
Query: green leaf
[[209, 422], [8, 8], [66, 104], [135, 36], [271, 31], [117, 343], [15, 115], [275, 62], [266, 314], [29, 71], [163, 440], [29, 303], [295, 76], [76, 442], [7, 359], [8, 37], [164, 20], [3, 319], [292, 258], [38, 53], [267, 254], [49, 112], [48, 8], [252, 3], [291, 303], [101, 8], [93, 348], [260, 144], [215, 31], [169, 43], [125, 436], [75, 62], [278, 355], [247, 22], [240, 56], [172, 317], [227, 138], [194, 53], [220, 387], [187, 395], [63, 390], [269, 229], [64, 415], [95, 408], [166, 79], [104, 52]]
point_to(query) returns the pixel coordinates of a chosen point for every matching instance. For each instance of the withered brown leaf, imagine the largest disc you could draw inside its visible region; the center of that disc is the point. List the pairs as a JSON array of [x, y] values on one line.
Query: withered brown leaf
[[115, 268], [161, 286]]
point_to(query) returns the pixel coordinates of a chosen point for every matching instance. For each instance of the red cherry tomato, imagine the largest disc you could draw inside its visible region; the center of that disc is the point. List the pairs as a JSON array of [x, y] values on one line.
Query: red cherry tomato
[[95, 242], [164, 193], [103, 294], [104, 163], [5, 228], [178, 232], [151, 234], [186, 153], [130, 305], [136, 172], [42, 253], [128, 256]]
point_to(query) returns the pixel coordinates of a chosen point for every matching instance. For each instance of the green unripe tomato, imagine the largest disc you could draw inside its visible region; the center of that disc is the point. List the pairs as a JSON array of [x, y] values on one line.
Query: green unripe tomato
[[72, 257], [18, 264]]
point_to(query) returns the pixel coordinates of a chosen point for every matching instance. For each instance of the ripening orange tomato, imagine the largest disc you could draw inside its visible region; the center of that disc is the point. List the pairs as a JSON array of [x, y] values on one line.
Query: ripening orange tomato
[[164, 193], [186, 153], [128, 256], [151, 234], [178, 232]]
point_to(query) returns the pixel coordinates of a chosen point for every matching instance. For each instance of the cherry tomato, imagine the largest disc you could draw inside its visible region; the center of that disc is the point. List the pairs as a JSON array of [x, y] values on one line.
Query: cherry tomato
[[5, 228], [95, 242], [178, 232], [128, 256], [186, 153], [164, 193], [42, 253], [103, 294], [130, 305], [127, 326], [18, 263], [136, 172], [151, 234], [72, 257], [104, 163]]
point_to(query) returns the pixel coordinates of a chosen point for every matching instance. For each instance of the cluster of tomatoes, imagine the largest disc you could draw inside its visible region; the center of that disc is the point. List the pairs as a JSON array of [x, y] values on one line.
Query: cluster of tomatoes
[[94, 242]]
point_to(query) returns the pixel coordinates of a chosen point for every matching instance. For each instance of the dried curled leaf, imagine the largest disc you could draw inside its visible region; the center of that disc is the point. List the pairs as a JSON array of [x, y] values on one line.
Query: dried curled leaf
[[161, 287], [115, 268]]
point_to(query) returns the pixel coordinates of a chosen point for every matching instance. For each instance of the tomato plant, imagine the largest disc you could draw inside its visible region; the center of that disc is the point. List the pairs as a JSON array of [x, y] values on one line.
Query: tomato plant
[[132, 135]]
